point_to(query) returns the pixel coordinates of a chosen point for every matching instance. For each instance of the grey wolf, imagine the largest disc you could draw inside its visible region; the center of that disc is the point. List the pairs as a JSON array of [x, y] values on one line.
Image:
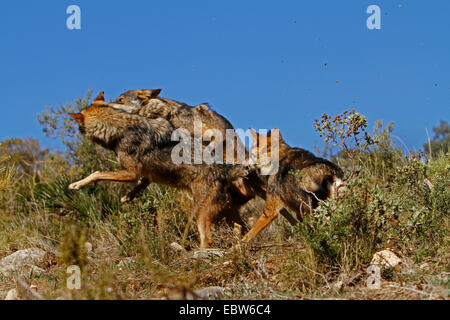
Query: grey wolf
[[143, 148], [301, 182], [149, 104]]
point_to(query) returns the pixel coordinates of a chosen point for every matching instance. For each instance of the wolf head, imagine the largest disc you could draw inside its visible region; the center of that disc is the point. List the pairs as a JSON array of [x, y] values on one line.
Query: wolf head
[[131, 101], [102, 123]]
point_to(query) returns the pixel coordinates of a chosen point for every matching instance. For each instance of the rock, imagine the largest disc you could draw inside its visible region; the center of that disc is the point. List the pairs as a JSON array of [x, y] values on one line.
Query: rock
[[210, 293], [207, 253], [12, 294], [386, 258], [443, 276], [21, 258], [177, 247], [237, 230], [88, 247]]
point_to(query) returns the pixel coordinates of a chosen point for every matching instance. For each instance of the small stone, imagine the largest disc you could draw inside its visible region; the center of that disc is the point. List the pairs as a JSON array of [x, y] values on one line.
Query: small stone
[[21, 258], [210, 293], [207, 253], [177, 247], [12, 294], [386, 258]]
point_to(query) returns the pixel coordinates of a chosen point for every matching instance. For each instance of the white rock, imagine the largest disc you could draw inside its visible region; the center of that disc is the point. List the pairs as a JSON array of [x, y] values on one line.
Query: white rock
[[386, 258], [210, 293], [31, 256], [177, 247], [12, 294], [88, 247]]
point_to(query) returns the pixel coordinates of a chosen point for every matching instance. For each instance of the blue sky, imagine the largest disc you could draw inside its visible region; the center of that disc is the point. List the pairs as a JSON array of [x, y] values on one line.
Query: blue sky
[[259, 63]]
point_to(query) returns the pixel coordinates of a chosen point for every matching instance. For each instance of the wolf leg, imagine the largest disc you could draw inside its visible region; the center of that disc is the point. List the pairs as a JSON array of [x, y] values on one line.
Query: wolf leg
[[210, 207], [114, 176], [204, 220], [273, 206], [143, 183]]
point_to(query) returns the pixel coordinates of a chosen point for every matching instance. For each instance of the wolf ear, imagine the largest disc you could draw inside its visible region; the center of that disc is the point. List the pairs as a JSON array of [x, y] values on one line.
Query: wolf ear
[[154, 93], [100, 97], [79, 117], [149, 94]]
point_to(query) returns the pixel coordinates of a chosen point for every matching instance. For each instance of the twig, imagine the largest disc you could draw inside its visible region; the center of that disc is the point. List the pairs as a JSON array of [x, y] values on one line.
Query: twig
[[26, 291]]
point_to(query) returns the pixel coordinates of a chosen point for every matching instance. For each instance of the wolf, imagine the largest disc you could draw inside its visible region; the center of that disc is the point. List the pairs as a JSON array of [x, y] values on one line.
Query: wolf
[[143, 147], [301, 182], [213, 126]]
